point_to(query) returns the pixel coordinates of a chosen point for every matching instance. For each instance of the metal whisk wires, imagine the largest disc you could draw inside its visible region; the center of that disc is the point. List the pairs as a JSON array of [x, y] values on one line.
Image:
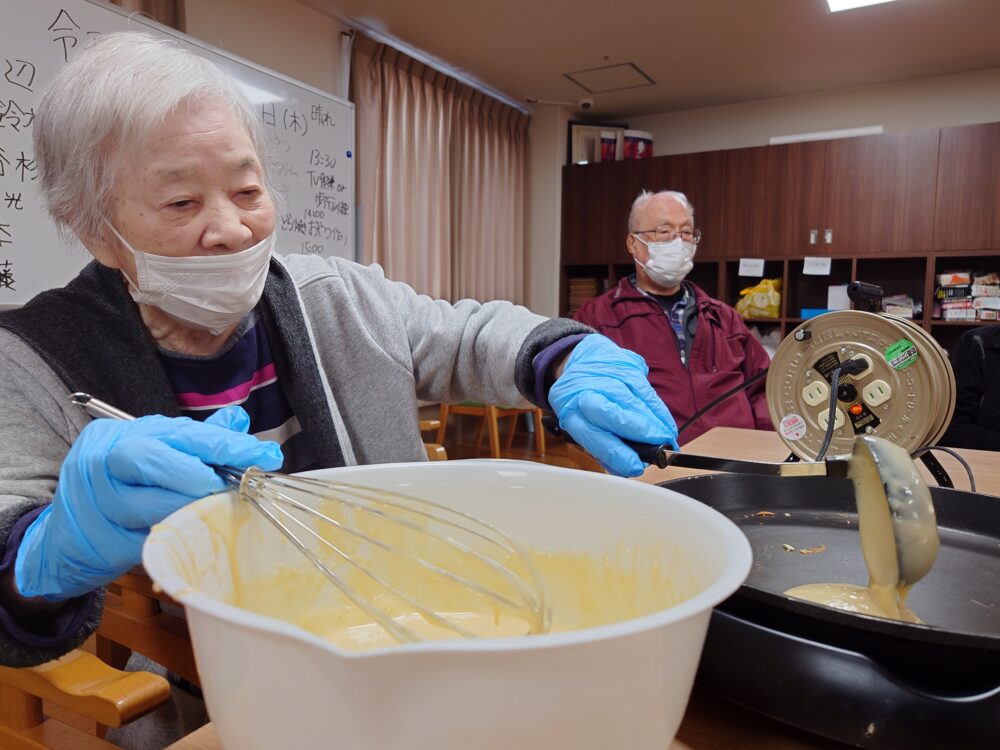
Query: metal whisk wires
[[389, 554], [401, 547]]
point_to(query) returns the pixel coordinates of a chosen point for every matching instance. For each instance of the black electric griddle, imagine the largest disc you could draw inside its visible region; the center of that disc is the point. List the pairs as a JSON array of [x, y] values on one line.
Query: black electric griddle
[[866, 681]]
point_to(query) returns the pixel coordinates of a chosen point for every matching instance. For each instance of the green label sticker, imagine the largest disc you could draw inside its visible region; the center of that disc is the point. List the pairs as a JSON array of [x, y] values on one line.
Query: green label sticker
[[901, 355]]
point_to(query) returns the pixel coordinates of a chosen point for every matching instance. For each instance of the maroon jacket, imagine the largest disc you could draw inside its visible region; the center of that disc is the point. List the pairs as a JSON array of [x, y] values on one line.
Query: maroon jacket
[[723, 355]]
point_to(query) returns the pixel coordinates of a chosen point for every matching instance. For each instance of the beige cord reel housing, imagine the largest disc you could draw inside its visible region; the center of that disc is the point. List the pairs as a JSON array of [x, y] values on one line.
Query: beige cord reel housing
[[906, 394]]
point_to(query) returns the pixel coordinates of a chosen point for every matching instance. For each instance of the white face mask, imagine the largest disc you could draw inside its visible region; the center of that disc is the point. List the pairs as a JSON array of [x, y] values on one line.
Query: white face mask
[[206, 292], [668, 262]]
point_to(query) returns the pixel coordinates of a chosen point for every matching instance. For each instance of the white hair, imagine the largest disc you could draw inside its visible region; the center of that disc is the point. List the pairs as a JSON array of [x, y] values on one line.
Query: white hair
[[103, 105], [646, 196]]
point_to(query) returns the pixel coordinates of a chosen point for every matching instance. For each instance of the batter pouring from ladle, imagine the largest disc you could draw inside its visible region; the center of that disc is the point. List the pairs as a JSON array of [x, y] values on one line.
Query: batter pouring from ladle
[[898, 529]]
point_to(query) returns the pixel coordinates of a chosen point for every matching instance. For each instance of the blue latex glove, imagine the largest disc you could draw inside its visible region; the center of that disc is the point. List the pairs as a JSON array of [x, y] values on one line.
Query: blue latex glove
[[603, 395], [118, 479]]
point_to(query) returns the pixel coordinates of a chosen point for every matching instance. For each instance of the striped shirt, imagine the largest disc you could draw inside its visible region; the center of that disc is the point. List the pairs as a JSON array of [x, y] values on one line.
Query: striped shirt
[[242, 374], [678, 308]]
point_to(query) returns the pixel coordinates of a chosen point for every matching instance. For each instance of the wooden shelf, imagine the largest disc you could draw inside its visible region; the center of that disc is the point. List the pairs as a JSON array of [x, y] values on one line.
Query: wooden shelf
[[900, 208], [912, 275]]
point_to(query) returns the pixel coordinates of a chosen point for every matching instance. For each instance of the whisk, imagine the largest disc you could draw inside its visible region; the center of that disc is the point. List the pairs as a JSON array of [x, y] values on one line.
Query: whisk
[[409, 548]]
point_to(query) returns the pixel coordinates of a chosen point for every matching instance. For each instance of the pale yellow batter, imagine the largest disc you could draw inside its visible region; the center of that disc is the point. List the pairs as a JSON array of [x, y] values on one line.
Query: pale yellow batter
[[851, 598], [581, 590], [885, 595]]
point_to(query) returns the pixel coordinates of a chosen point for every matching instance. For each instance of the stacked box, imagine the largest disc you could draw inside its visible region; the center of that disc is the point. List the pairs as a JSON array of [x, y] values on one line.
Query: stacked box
[[901, 305], [967, 295], [580, 291]]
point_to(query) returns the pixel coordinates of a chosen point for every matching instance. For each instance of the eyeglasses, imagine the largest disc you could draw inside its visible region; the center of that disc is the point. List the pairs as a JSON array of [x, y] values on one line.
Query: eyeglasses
[[668, 233]]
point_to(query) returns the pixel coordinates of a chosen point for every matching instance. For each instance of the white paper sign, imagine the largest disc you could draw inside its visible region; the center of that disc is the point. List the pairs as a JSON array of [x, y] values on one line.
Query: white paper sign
[[837, 299], [815, 266], [751, 267]]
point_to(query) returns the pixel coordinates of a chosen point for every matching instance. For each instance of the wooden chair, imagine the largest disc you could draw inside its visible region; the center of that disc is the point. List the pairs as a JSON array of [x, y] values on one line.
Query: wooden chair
[[82, 684], [435, 451], [93, 687], [135, 619], [491, 416]]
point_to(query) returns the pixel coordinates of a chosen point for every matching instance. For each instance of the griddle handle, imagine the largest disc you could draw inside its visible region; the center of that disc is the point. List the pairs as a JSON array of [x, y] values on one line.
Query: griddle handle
[[651, 454]]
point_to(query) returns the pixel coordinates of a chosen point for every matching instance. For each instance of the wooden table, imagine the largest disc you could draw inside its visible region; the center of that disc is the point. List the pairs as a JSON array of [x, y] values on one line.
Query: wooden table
[[709, 724], [712, 723]]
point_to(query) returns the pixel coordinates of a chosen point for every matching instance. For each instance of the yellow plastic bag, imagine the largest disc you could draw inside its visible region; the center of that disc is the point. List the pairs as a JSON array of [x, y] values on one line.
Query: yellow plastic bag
[[761, 300]]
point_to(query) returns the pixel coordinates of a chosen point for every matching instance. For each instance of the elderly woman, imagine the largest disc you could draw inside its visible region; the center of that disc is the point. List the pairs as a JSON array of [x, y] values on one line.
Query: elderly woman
[[153, 159]]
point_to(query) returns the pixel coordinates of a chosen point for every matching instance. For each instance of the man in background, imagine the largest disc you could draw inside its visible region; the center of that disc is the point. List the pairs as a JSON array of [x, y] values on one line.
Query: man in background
[[697, 347], [976, 362]]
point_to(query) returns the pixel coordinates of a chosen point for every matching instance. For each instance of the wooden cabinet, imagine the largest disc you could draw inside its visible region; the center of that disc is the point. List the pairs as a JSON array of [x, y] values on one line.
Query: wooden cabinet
[[967, 217], [897, 210], [597, 199], [849, 196], [774, 199], [596, 202], [583, 215], [701, 178], [879, 193]]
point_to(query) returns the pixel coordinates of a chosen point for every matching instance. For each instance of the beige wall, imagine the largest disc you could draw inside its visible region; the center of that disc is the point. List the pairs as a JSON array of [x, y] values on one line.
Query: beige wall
[[547, 153], [941, 101], [304, 44], [935, 102], [283, 35]]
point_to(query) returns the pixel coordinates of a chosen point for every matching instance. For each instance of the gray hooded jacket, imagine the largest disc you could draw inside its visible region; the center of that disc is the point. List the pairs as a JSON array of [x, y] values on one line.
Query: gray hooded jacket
[[354, 352]]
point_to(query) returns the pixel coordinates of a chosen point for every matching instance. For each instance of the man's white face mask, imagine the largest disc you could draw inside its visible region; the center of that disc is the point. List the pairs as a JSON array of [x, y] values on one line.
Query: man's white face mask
[[668, 262], [206, 292]]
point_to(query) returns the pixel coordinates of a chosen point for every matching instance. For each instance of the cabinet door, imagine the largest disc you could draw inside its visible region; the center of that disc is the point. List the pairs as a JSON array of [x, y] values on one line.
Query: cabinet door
[[880, 193], [581, 219], [774, 199], [967, 216], [701, 177], [596, 202], [625, 180]]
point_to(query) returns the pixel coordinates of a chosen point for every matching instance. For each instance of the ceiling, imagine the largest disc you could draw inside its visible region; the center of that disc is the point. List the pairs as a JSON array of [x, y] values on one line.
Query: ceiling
[[698, 52]]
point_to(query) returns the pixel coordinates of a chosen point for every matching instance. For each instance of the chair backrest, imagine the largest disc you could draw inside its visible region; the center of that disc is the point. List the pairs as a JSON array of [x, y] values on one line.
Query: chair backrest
[[435, 451], [491, 414], [81, 684]]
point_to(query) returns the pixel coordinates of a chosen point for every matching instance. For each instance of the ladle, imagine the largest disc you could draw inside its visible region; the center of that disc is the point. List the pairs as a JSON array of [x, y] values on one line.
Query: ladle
[[886, 483]]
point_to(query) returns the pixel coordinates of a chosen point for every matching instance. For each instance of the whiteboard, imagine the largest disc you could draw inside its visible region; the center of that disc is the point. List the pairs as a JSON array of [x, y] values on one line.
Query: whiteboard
[[310, 136]]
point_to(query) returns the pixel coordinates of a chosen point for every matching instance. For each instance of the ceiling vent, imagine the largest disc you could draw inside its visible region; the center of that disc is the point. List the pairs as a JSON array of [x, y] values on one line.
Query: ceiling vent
[[610, 78]]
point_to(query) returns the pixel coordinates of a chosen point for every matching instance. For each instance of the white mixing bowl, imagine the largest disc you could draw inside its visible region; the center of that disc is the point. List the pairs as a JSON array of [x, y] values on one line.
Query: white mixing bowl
[[271, 684]]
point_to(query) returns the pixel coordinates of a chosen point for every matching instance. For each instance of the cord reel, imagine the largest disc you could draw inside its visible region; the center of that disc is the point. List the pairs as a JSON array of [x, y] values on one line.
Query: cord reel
[[905, 393]]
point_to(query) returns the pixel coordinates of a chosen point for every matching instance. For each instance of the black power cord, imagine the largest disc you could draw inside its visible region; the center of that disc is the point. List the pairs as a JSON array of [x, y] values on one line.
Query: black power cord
[[715, 402], [847, 367], [832, 413], [552, 424], [924, 452]]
